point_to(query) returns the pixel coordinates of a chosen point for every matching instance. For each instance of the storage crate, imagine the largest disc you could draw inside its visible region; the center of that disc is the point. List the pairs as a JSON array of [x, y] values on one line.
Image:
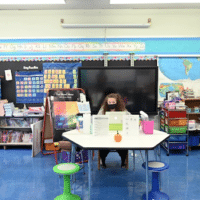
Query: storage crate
[[176, 122], [78, 159], [162, 128], [162, 122], [177, 146], [175, 113], [162, 116], [178, 138], [176, 129]]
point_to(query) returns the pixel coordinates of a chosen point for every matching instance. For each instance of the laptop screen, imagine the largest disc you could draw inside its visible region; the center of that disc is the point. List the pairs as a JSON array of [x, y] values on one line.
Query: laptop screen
[[116, 120]]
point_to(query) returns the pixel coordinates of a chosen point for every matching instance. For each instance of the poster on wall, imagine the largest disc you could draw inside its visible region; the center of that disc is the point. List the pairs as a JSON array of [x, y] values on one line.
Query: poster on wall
[[60, 75], [29, 86], [0, 88], [177, 74]]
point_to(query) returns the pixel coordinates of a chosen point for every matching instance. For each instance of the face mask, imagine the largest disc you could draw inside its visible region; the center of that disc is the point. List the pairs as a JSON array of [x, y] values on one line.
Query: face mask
[[112, 106]]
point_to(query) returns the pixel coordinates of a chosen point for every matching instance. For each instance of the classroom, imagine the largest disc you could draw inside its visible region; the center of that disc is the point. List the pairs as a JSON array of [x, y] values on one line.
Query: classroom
[[93, 92]]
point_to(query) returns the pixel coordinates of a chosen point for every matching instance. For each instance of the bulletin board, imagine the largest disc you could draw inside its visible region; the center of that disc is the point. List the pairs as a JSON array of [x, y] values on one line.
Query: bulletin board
[[60, 75], [0, 88], [29, 86]]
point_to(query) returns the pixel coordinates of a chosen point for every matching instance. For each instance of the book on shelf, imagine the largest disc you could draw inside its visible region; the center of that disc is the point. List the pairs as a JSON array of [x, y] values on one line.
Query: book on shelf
[[15, 137], [15, 123]]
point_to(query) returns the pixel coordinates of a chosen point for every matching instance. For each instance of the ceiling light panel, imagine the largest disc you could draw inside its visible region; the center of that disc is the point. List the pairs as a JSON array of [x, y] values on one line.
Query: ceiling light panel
[[152, 1], [26, 2]]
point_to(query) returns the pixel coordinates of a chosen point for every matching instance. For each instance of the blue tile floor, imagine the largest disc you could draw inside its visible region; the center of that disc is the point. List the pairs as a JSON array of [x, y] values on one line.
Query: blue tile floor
[[25, 178]]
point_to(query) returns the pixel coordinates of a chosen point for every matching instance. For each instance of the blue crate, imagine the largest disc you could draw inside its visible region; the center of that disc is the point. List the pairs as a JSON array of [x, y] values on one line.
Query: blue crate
[[177, 146], [193, 141], [178, 138], [67, 156]]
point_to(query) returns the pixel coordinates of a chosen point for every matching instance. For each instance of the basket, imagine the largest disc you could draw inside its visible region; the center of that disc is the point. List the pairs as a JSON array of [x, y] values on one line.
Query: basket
[[147, 127]]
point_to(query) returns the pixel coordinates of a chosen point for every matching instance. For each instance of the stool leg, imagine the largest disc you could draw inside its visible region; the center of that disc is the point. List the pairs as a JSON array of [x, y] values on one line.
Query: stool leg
[[67, 191], [155, 154], [155, 181], [67, 187], [133, 159], [60, 157], [160, 181], [83, 167], [60, 154]]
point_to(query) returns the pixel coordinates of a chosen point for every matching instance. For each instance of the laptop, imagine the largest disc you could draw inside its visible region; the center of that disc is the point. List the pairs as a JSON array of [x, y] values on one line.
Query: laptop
[[116, 120]]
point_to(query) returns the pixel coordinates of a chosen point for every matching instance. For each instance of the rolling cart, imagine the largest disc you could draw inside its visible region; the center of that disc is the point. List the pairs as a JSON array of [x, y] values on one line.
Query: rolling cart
[[174, 122]]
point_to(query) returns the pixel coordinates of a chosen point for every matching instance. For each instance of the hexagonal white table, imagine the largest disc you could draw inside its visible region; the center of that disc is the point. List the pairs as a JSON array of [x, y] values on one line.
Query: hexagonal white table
[[138, 141]]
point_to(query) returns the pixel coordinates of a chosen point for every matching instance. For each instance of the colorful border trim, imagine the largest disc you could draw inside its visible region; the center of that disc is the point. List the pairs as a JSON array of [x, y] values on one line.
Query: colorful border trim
[[74, 58]]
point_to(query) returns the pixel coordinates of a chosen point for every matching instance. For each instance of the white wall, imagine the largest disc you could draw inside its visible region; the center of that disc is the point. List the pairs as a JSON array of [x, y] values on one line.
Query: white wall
[[46, 23]]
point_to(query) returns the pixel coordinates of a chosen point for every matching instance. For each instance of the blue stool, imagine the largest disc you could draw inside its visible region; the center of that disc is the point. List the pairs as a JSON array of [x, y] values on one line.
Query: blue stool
[[155, 193]]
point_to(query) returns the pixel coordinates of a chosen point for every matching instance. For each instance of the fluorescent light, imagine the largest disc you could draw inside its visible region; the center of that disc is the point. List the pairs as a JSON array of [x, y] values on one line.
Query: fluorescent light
[[18, 2], [106, 25], [151, 1]]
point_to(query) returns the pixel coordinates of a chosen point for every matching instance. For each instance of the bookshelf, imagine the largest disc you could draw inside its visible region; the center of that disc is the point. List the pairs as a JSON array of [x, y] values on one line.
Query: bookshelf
[[21, 131], [193, 112]]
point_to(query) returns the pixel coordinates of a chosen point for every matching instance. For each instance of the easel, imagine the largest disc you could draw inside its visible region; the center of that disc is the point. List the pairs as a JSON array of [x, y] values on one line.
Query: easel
[[49, 131]]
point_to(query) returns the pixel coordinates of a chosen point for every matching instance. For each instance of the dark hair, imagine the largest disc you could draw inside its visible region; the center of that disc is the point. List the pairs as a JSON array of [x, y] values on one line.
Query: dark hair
[[120, 103]]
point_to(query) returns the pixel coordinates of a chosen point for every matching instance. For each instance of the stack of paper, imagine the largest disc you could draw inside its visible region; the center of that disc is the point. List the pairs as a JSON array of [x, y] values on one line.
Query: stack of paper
[[9, 109], [100, 124], [34, 111]]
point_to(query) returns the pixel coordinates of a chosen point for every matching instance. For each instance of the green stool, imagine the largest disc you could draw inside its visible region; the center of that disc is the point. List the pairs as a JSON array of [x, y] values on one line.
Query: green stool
[[67, 169]]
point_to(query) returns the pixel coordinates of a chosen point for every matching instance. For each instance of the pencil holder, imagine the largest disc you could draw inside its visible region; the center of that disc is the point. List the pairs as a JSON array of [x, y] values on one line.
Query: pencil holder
[[147, 127]]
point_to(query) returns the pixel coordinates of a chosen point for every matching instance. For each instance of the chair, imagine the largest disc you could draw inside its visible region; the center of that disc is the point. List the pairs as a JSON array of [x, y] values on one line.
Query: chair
[[156, 167], [67, 169], [98, 164]]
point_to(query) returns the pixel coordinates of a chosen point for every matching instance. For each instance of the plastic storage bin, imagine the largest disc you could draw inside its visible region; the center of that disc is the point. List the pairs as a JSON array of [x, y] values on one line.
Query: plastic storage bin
[[176, 122], [177, 146], [67, 156], [178, 138], [175, 114], [162, 122], [176, 129]]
